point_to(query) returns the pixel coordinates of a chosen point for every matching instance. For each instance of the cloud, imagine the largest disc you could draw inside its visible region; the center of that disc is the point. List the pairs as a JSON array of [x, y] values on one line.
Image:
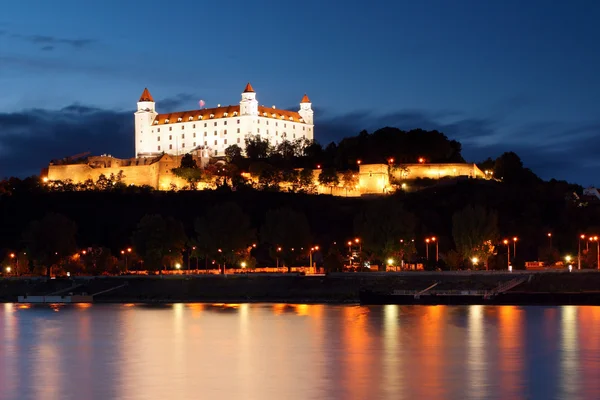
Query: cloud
[[50, 42], [29, 139]]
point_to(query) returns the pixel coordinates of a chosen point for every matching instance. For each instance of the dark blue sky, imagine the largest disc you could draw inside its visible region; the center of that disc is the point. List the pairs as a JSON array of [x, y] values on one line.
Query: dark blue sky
[[495, 75]]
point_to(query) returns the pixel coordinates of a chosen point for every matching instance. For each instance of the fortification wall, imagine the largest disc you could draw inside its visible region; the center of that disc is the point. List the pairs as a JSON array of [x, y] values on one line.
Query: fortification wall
[[78, 173], [436, 171]]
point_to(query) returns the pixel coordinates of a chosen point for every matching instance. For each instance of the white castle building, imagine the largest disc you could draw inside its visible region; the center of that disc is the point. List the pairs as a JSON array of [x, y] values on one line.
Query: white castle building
[[212, 130]]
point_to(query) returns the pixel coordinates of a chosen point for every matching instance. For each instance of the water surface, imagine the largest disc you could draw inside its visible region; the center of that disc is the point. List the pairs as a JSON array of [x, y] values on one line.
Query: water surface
[[265, 351]]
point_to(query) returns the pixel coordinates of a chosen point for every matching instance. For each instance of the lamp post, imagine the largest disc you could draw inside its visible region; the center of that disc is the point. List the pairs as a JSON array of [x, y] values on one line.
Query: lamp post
[[13, 256], [434, 239], [506, 242], [310, 252], [427, 248], [474, 260], [582, 237], [349, 253], [390, 262], [278, 250], [515, 247], [358, 241], [550, 239]]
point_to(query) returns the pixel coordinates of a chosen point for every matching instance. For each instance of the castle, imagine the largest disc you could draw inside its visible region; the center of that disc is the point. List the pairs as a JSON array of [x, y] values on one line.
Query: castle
[[161, 140], [212, 130]]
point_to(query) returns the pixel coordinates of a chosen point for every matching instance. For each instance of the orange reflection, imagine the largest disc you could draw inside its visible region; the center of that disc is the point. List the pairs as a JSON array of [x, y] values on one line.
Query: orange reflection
[[431, 342], [356, 365], [589, 321], [510, 320], [83, 306]]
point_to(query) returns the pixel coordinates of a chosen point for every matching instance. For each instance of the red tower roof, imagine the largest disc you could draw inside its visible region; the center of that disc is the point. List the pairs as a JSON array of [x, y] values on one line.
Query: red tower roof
[[248, 88], [305, 99], [146, 96]]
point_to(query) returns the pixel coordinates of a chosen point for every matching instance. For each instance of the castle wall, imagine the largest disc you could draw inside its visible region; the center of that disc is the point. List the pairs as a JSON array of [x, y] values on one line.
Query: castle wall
[[436, 171], [373, 178]]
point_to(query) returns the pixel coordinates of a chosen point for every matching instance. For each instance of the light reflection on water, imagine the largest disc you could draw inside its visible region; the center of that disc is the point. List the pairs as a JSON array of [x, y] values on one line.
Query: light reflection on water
[[279, 351]]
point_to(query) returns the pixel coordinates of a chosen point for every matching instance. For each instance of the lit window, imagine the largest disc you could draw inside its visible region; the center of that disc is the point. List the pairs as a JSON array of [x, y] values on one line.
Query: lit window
[[170, 137], [183, 135], [273, 115], [276, 133], [194, 126], [204, 134], [155, 122], [166, 121], [158, 139], [238, 130], [205, 124], [215, 133], [225, 132], [194, 134], [158, 148], [215, 123], [170, 128], [265, 114], [190, 119], [182, 127], [170, 147], [182, 144], [178, 119], [212, 115], [225, 114], [205, 143], [158, 130], [235, 113]]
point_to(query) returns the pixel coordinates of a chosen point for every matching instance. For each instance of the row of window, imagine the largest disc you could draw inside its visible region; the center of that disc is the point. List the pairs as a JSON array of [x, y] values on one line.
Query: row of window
[[238, 121], [284, 134]]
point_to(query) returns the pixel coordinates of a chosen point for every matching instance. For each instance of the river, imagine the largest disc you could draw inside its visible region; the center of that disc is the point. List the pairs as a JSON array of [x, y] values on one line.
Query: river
[[279, 351]]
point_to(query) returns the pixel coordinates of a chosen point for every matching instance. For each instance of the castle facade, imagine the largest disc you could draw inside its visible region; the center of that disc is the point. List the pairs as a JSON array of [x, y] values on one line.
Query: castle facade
[[212, 130]]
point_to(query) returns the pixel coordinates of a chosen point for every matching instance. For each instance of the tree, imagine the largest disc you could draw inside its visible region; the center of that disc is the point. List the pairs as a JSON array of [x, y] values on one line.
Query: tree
[[509, 168], [287, 230], [306, 180], [334, 261], [475, 230], [51, 239], [233, 153], [381, 226], [189, 171], [225, 233], [270, 178], [159, 240], [329, 177], [291, 177], [349, 180], [256, 147]]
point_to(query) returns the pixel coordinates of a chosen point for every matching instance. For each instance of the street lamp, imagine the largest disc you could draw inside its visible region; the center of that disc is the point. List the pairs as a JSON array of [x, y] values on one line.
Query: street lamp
[[581, 237], [595, 239], [515, 247], [243, 264], [278, 250], [433, 239], [427, 248], [8, 270], [315, 248], [474, 260], [390, 262], [177, 266], [550, 239], [506, 242]]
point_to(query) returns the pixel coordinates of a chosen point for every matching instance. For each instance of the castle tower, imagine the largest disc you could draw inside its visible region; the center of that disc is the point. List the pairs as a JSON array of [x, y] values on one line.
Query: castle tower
[[306, 111], [249, 104], [144, 116]]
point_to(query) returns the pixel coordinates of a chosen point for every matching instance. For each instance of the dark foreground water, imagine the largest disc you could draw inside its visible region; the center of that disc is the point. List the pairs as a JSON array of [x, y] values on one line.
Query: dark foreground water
[[263, 351]]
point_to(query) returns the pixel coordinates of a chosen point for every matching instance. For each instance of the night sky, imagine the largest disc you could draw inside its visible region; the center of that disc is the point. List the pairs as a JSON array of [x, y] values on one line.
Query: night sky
[[495, 75]]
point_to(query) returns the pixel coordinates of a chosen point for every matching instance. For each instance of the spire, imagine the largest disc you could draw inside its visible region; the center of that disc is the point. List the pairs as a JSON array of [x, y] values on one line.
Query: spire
[[248, 88], [305, 99], [146, 96]]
